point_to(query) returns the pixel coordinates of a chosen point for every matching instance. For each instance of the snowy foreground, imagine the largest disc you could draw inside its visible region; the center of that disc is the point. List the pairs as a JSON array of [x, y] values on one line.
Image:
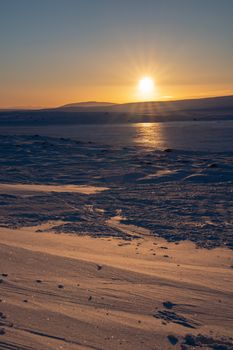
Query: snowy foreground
[[176, 195], [105, 248]]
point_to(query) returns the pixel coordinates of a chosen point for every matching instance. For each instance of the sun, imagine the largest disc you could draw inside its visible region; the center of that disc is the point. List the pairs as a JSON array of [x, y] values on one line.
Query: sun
[[146, 87], [146, 84]]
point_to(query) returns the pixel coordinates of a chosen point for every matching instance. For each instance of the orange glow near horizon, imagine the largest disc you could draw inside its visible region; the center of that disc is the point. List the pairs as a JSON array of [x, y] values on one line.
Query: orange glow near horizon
[[136, 82], [137, 79], [52, 97]]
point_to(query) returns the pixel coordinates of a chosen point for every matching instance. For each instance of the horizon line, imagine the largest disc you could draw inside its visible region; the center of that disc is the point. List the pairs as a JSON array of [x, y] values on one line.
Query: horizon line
[[161, 99]]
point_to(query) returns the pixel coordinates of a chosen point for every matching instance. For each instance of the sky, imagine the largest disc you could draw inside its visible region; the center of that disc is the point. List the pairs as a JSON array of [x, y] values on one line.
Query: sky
[[54, 52]]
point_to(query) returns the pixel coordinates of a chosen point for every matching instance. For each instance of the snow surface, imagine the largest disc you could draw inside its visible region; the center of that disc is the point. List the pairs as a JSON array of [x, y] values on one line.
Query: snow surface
[[178, 195]]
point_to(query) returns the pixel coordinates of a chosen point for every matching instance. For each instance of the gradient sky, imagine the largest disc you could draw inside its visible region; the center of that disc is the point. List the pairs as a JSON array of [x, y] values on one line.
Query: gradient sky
[[54, 52]]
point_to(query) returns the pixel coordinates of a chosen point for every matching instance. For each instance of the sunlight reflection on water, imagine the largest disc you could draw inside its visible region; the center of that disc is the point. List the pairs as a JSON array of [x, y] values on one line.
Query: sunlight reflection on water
[[205, 136], [150, 135]]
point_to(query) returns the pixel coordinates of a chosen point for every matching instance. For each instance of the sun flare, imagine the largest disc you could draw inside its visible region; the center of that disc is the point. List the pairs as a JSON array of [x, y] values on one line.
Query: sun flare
[[146, 87]]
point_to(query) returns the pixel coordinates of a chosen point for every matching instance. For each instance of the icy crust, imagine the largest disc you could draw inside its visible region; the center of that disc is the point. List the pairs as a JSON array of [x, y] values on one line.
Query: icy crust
[[177, 195]]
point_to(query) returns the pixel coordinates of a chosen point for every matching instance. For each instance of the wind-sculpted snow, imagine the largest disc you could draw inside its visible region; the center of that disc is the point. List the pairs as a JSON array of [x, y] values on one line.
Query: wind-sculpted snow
[[177, 195]]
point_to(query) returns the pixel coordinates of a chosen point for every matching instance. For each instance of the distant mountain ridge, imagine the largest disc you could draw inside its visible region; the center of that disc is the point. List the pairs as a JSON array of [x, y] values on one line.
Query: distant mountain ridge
[[87, 104], [152, 107], [205, 109]]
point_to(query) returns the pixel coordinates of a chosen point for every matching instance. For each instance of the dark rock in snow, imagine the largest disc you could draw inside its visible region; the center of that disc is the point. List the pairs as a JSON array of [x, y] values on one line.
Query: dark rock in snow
[[168, 304], [172, 339]]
